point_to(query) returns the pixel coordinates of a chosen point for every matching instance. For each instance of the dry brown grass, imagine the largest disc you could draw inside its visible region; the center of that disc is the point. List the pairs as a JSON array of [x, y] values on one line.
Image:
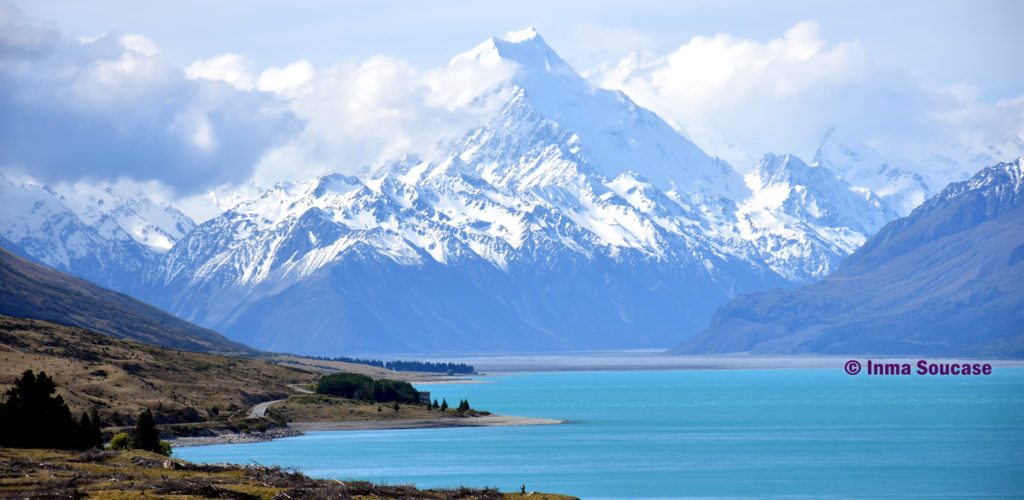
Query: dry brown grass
[[135, 474], [121, 377]]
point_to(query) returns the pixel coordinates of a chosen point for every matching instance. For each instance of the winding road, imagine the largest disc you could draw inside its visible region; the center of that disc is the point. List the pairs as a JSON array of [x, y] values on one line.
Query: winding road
[[260, 409]]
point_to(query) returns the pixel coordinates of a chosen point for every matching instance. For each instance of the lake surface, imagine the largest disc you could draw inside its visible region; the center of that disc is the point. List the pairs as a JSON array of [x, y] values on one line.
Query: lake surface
[[712, 433]]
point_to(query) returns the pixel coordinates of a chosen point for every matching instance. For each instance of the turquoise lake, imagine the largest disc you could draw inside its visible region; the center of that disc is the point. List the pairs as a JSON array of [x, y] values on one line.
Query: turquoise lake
[[696, 433]]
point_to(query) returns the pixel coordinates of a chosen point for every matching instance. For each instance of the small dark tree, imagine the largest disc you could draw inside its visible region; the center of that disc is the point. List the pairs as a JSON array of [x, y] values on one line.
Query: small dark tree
[[444, 405], [146, 435], [464, 405], [97, 429], [34, 417], [395, 407], [87, 435], [436, 406]]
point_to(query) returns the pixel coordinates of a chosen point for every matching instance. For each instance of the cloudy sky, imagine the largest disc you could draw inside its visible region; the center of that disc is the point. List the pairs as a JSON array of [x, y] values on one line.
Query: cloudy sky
[[195, 97]]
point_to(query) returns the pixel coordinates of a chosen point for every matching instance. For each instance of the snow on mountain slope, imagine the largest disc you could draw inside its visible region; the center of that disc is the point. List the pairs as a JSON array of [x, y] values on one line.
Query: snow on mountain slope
[[37, 224], [154, 225], [108, 236], [608, 130], [859, 165], [804, 219]]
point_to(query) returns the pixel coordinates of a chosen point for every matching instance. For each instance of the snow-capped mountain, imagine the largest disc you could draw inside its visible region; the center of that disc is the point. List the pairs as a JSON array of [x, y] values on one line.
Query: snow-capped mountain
[[804, 219], [568, 218], [108, 237], [603, 128], [153, 225], [859, 165]]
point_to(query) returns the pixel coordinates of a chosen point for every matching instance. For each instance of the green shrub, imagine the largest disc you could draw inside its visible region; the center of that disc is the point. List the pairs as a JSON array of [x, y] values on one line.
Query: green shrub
[[121, 441]]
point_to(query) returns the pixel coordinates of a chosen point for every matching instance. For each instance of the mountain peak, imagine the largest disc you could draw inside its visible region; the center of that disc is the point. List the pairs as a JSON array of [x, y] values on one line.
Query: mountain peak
[[525, 48], [523, 35]]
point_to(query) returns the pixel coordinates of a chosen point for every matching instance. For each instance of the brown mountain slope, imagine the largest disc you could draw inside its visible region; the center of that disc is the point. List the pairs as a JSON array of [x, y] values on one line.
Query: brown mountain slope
[[29, 290], [121, 377]]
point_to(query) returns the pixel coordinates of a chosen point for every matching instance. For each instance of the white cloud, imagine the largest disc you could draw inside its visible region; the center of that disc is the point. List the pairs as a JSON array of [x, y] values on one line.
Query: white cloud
[[605, 43], [140, 45], [232, 69], [740, 98], [113, 108], [378, 109], [287, 81]]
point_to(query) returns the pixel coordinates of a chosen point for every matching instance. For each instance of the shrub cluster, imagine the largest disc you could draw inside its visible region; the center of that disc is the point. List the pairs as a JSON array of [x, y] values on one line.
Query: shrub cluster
[[361, 387]]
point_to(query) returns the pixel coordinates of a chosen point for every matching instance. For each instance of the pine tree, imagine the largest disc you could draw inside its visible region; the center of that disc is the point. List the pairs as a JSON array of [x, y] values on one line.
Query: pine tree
[[146, 435], [435, 404], [33, 417], [444, 405], [83, 432]]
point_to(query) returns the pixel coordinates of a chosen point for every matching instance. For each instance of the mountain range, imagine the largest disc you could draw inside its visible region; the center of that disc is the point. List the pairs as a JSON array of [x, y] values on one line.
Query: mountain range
[[568, 218], [946, 280]]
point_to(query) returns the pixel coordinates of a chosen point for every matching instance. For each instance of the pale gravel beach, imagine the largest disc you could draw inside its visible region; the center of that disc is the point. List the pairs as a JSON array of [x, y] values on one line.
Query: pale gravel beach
[[234, 437], [300, 428], [425, 423]]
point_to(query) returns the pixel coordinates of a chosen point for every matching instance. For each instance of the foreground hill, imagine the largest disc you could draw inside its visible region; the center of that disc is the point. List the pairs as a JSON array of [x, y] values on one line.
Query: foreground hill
[[30, 290], [121, 377], [946, 280], [135, 474]]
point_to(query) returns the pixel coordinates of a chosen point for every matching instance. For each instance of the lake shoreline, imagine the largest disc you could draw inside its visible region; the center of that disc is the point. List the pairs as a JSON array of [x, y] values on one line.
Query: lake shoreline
[[294, 429], [632, 361]]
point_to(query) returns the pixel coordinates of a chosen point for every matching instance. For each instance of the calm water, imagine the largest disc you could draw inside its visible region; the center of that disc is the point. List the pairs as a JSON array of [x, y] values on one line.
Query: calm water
[[724, 433]]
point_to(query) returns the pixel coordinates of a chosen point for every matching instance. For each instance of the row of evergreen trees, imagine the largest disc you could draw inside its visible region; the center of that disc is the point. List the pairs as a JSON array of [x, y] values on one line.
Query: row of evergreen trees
[[463, 405], [34, 416], [407, 366]]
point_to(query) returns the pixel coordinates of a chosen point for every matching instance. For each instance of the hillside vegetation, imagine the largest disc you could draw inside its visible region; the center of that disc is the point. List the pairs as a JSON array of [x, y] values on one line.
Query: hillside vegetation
[[121, 377]]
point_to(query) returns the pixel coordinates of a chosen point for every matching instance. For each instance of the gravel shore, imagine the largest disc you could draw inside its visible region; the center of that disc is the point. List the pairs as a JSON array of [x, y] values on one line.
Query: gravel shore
[[299, 428], [423, 423], [235, 438]]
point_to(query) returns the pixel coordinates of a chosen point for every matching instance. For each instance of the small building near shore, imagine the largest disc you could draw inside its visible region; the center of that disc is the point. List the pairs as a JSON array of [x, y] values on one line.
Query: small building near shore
[[424, 396]]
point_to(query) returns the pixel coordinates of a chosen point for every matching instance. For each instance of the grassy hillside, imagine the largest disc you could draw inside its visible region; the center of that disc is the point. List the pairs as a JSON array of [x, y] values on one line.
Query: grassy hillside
[[121, 377], [29, 290]]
